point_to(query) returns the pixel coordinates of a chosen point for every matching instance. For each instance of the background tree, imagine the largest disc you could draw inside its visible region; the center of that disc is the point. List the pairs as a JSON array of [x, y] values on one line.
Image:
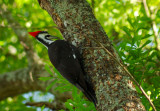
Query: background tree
[[133, 28]]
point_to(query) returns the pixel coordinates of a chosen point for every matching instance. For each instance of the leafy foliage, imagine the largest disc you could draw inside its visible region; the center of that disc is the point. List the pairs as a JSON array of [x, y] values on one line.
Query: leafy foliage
[[131, 30], [77, 103], [125, 22]]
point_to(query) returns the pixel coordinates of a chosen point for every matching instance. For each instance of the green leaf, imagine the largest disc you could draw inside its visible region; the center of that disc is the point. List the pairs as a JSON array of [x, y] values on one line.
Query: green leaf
[[146, 36], [136, 40], [45, 78], [156, 81], [57, 72], [68, 105], [49, 86], [48, 70], [147, 42], [125, 29], [64, 88], [130, 22], [74, 92], [42, 108]]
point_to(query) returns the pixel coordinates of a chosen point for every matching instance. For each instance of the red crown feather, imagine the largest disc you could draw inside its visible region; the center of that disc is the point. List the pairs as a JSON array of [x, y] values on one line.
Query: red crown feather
[[34, 34]]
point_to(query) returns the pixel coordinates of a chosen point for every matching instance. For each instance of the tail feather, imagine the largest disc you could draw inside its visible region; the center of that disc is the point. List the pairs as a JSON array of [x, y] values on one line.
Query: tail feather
[[85, 85], [88, 92], [91, 96]]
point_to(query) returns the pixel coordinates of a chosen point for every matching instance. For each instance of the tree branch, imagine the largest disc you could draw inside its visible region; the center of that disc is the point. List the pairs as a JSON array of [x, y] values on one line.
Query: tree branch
[[53, 106], [19, 82], [77, 24]]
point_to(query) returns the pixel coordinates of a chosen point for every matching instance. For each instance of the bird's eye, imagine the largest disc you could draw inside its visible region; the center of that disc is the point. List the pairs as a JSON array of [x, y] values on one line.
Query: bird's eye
[[46, 37]]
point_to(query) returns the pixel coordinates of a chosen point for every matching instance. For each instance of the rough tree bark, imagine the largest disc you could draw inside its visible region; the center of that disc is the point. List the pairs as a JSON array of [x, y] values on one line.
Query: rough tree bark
[[75, 20]]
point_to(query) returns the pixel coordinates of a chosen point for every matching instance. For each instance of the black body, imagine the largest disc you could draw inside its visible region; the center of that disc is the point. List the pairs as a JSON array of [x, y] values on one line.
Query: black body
[[67, 60]]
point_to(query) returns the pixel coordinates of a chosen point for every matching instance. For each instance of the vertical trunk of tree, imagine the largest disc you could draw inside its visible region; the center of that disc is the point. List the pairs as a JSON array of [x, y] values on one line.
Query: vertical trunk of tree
[[75, 20]]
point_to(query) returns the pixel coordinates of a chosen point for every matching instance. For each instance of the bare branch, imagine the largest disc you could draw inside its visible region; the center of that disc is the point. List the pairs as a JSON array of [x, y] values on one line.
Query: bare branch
[[53, 106], [19, 82]]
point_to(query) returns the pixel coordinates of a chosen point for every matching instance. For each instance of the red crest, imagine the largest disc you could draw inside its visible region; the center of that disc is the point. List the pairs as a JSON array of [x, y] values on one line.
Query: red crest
[[34, 34]]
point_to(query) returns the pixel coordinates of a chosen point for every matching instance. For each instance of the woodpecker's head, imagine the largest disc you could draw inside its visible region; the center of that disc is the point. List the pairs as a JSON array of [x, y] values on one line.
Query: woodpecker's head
[[43, 37]]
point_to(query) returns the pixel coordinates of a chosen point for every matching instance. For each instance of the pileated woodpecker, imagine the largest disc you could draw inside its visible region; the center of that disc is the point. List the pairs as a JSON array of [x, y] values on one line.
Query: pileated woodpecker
[[67, 60]]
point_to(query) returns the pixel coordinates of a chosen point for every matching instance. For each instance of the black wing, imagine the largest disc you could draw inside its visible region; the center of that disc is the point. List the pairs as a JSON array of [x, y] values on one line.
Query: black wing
[[67, 60]]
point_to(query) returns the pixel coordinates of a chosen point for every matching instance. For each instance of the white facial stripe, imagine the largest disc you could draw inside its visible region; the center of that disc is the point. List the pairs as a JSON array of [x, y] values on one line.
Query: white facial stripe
[[42, 36]]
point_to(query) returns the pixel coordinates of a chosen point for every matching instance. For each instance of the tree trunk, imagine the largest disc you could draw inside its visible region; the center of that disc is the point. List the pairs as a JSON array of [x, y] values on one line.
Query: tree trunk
[[114, 90]]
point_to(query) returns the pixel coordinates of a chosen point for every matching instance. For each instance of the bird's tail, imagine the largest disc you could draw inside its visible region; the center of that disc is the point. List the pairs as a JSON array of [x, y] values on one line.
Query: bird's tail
[[87, 90], [86, 86], [90, 94]]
